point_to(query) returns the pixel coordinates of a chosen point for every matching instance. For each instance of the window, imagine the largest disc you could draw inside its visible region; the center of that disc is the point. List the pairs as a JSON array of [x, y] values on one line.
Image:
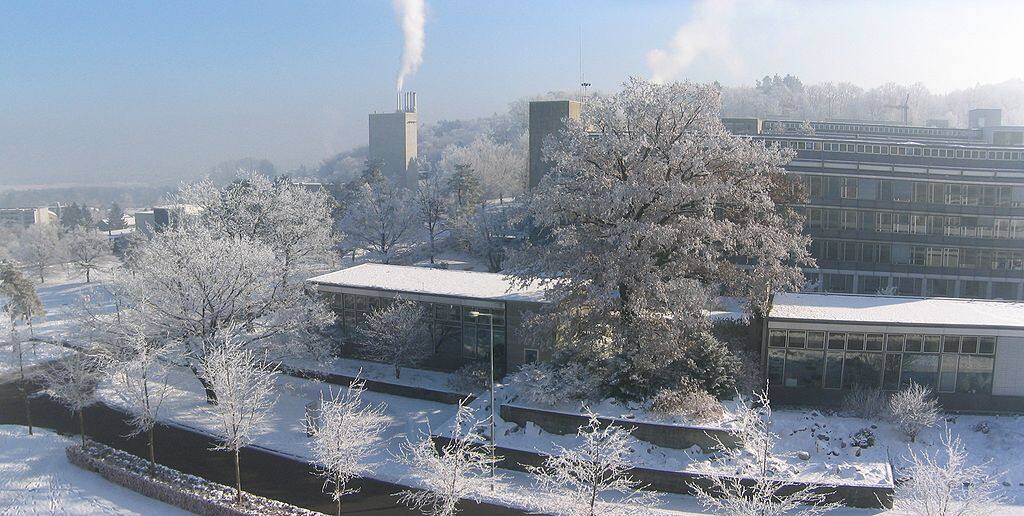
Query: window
[[947, 373], [530, 355], [861, 368], [803, 368], [836, 341], [920, 369], [777, 338], [891, 372]]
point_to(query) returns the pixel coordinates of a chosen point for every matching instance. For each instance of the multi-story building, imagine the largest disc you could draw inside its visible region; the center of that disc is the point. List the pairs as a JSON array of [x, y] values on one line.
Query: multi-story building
[[393, 142], [25, 217], [922, 211]]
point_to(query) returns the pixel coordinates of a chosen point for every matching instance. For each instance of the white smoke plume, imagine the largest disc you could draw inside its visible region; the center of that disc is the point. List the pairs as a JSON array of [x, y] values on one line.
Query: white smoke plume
[[411, 16], [707, 32]]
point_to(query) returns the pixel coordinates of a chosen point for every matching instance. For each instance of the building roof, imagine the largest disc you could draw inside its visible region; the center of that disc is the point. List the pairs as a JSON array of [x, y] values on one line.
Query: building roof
[[430, 281], [897, 310]]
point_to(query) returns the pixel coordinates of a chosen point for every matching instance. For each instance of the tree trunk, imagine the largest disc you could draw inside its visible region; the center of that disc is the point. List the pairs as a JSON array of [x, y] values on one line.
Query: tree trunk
[[24, 389], [398, 372], [81, 426], [238, 480], [337, 493], [211, 396], [88, 277], [152, 452]]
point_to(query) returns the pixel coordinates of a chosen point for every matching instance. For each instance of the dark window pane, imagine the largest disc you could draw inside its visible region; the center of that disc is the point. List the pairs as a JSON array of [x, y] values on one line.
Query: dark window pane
[[914, 342], [530, 356], [777, 338], [894, 342], [950, 344], [796, 339], [864, 369], [969, 345], [833, 370], [920, 369], [855, 342], [815, 339], [776, 362], [836, 340], [987, 345], [947, 373], [803, 368], [931, 343], [873, 342], [891, 379], [974, 375]]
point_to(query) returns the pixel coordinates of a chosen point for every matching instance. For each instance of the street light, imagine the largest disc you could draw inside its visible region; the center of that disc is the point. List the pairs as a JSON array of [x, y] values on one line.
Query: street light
[[490, 317]]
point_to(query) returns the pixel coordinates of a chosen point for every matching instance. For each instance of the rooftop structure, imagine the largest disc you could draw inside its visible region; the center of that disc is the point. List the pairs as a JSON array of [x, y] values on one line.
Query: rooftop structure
[[897, 310], [547, 117], [393, 141]]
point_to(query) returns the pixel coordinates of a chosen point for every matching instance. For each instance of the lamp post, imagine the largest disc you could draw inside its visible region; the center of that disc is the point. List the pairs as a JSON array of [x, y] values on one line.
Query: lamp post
[[490, 317]]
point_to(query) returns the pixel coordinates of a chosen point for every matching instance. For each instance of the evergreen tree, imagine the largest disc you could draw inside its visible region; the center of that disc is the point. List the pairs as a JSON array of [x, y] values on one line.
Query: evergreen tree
[[708, 363]]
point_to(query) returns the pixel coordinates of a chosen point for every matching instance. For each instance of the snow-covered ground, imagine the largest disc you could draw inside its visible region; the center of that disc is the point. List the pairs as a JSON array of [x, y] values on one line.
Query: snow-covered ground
[[36, 478], [33, 353]]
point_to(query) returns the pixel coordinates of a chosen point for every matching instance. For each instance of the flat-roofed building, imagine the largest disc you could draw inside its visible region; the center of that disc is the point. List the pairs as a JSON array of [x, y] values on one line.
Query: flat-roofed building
[[970, 352], [25, 217], [912, 210], [451, 298]]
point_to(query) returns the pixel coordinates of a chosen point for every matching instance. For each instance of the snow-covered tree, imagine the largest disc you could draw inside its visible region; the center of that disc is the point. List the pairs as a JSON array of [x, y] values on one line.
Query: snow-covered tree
[[85, 247], [581, 478], [40, 247], [501, 168], [293, 220], [244, 384], [396, 334], [464, 188], [138, 378], [650, 207], [914, 408], [72, 381], [487, 232], [432, 206], [946, 486], [345, 432], [20, 303], [378, 220], [197, 289], [449, 471], [747, 480]]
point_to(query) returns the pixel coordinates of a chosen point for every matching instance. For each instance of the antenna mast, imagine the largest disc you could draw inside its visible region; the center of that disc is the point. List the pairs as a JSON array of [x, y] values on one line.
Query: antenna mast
[[583, 82]]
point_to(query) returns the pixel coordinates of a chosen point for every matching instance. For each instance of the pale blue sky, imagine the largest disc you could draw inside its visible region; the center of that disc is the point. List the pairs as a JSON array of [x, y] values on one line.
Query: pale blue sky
[[141, 90]]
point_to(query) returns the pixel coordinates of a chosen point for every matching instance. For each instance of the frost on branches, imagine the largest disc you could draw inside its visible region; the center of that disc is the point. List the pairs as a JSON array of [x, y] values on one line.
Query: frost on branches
[[650, 206], [72, 381], [593, 478], [379, 219], [85, 248], [937, 487], [345, 431], [751, 479], [913, 409], [446, 474], [395, 334], [244, 384]]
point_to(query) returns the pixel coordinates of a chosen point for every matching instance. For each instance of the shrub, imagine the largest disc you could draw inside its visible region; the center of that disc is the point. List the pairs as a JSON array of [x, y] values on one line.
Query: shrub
[[471, 378], [913, 409], [864, 402], [688, 402], [547, 384], [709, 363]]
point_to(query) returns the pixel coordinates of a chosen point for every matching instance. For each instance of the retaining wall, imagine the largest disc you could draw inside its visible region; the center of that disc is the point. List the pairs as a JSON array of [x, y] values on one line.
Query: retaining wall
[[407, 391]]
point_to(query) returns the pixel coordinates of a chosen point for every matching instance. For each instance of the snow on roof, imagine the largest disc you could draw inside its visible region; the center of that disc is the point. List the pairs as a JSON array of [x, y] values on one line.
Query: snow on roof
[[438, 282], [932, 311]]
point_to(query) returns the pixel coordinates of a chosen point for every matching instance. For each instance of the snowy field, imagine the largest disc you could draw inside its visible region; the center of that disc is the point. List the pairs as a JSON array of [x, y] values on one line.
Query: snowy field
[[36, 478]]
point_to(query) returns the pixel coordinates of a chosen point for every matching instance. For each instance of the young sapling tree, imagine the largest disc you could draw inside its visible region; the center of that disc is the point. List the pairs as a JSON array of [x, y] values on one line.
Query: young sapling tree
[[345, 431], [396, 334], [72, 381], [913, 409]]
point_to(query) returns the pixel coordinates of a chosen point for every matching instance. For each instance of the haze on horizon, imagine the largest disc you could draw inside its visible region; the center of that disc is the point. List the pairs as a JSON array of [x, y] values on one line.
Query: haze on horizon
[[156, 92]]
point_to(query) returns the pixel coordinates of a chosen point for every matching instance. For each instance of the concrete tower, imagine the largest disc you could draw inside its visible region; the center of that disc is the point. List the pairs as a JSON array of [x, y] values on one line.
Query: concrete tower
[[546, 118], [393, 141]]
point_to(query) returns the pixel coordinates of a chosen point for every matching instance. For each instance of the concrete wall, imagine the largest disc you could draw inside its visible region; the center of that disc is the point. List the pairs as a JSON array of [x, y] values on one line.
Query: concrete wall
[[546, 118], [668, 436], [393, 145], [1008, 377], [516, 339]]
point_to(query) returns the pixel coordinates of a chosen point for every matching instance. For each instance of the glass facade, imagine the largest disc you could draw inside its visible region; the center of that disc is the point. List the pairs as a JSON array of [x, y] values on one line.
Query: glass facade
[[842, 360], [450, 326]]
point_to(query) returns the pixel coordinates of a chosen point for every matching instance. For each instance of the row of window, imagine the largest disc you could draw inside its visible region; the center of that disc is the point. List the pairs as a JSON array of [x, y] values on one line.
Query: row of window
[[841, 360], [913, 223], [903, 150], [920, 255], [915, 286], [924, 192], [870, 129]]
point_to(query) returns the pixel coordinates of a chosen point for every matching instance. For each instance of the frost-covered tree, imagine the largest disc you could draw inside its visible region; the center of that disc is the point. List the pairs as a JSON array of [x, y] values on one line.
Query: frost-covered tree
[[244, 384], [499, 168], [650, 206], [708, 365], [946, 486], [487, 232], [396, 334], [293, 220], [85, 247], [345, 432], [581, 478], [746, 480], [464, 187], [72, 381], [138, 377], [40, 247], [449, 471], [913, 408], [432, 207], [378, 220], [20, 303], [196, 289]]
